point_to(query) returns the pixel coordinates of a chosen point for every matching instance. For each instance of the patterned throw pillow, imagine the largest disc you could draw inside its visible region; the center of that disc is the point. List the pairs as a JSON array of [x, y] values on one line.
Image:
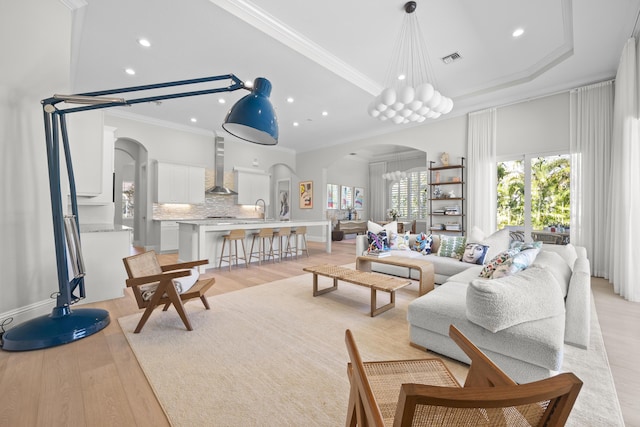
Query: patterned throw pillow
[[403, 243], [520, 261], [523, 246], [474, 253], [379, 241], [423, 244], [503, 258], [391, 228], [451, 246]]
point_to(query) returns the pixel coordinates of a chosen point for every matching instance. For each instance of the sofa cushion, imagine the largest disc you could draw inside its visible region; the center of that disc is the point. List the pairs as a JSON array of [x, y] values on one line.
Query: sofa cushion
[[556, 266], [497, 304], [447, 266], [497, 242], [567, 252], [467, 275], [451, 246]]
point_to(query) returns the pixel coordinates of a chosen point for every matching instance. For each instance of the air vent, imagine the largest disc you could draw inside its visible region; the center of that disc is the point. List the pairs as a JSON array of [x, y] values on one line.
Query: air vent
[[450, 58]]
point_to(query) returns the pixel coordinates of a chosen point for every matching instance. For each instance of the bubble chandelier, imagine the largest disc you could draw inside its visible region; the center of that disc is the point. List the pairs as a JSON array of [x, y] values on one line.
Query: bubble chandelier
[[409, 95]]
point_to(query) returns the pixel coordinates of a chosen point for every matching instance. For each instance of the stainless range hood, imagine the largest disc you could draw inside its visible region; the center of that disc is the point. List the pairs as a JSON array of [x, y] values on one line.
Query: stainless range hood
[[219, 188]]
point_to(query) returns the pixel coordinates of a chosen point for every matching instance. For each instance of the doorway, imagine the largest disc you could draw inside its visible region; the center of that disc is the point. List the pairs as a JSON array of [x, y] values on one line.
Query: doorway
[[130, 188]]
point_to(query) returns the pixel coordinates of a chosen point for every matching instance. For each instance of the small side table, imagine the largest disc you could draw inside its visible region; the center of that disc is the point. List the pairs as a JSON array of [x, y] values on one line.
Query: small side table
[[337, 235]]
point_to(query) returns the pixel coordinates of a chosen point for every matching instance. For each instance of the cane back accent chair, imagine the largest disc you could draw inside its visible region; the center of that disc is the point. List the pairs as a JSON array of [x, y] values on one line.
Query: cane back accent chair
[[425, 393], [154, 285]]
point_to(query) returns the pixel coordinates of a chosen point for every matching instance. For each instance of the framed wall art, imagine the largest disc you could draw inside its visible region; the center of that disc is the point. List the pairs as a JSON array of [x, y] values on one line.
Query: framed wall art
[[306, 194], [283, 189], [358, 198], [333, 196], [346, 201]]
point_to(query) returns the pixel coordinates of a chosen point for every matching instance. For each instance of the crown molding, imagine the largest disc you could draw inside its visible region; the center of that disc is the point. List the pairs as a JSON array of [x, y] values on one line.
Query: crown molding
[[268, 24]]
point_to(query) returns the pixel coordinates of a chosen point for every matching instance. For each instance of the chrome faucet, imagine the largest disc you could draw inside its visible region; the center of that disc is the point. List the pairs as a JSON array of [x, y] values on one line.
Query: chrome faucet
[[264, 208]]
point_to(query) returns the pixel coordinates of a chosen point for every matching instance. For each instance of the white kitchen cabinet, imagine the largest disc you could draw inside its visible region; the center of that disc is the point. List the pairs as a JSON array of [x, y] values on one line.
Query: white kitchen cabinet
[[86, 132], [179, 183], [252, 185], [196, 185], [169, 236]]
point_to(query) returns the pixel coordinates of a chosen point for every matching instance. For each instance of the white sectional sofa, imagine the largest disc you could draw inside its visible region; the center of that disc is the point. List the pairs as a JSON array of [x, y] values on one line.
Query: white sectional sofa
[[541, 308]]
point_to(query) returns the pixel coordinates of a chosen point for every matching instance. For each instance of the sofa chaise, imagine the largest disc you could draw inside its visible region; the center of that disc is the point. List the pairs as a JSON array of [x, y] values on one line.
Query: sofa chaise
[[521, 321]]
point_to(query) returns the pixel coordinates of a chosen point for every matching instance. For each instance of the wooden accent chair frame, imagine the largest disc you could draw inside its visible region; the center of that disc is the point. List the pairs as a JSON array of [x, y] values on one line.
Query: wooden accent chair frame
[[388, 393], [145, 272]]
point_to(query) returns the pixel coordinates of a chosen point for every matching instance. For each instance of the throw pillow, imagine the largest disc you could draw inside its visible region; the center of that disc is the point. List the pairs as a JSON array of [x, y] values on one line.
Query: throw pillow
[[451, 246], [423, 244], [474, 253], [518, 262], [391, 229], [476, 234], [497, 242], [498, 260], [523, 246], [378, 241], [567, 252], [403, 243]]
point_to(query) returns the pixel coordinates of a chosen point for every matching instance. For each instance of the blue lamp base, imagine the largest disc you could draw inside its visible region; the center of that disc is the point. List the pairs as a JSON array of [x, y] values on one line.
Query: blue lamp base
[[62, 326]]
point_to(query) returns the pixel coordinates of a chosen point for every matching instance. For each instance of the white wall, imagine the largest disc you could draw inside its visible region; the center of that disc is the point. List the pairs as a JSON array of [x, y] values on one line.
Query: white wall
[[35, 66], [351, 172], [536, 126], [166, 144]]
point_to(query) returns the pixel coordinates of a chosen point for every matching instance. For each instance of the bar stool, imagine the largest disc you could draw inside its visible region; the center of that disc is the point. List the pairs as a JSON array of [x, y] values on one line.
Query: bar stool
[[283, 236], [302, 232], [264, 237], [233, 236]]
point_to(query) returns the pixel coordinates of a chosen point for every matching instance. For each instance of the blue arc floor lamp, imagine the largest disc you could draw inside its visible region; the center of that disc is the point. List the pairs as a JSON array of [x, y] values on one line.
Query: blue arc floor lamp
[[252, 118]]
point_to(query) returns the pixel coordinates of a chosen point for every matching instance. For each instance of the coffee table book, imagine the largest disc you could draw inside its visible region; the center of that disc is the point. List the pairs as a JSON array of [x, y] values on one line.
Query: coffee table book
[[379, 254]]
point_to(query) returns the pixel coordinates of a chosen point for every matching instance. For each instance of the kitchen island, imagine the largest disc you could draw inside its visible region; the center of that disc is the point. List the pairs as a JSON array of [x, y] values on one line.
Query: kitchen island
[[202, 239]]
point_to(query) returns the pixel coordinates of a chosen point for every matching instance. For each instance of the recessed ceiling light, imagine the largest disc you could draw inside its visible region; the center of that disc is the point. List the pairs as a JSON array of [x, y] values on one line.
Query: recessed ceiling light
[[130, 71], [296, 124], [193, 120], [144, 42], [518, 32], [289, 100], [324, 113], [221, 101], [402, 77]]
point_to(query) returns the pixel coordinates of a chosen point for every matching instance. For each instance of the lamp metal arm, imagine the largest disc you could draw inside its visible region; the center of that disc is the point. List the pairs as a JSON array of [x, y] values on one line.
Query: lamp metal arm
[[97, 100]]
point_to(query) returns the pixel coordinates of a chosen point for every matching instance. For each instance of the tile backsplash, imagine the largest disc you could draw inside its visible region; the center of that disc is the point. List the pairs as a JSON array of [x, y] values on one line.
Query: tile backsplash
[[213, 206]]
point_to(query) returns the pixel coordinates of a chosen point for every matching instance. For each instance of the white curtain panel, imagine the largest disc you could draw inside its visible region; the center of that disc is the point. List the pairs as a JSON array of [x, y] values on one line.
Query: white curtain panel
[[624, 194], [378, 191], [481, 171], [591, 109]]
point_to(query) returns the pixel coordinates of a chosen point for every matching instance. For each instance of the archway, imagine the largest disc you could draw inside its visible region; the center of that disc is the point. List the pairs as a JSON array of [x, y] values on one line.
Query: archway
[[130, 188]]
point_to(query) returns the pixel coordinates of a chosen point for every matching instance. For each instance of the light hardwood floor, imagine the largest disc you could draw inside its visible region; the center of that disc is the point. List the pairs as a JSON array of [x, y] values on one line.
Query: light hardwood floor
[[97, 381]]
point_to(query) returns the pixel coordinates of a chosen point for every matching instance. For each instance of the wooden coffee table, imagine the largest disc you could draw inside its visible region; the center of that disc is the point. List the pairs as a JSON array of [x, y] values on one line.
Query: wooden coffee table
[[425, 268], [374, 281]]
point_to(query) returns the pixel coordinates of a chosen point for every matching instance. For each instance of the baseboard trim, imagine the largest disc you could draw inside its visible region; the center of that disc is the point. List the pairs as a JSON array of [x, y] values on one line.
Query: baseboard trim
[[28, 312]]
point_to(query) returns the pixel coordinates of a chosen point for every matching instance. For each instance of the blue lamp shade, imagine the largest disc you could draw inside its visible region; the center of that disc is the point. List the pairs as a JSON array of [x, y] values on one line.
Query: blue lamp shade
[[253, 118]]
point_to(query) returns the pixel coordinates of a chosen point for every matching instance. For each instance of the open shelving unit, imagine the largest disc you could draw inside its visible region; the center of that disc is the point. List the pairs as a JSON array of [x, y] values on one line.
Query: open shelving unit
[[444, 211]]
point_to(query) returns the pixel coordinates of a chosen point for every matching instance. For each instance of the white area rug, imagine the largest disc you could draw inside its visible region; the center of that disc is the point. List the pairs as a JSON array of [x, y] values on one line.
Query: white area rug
[[273, 355]]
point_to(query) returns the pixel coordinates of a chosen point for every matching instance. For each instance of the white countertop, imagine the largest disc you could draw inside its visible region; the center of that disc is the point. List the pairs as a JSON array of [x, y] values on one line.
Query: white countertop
[[101, 228]]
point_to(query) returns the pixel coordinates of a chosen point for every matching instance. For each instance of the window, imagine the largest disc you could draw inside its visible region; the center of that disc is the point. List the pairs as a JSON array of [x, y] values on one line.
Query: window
[[407, 195], [533, 192], [128, 192]]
